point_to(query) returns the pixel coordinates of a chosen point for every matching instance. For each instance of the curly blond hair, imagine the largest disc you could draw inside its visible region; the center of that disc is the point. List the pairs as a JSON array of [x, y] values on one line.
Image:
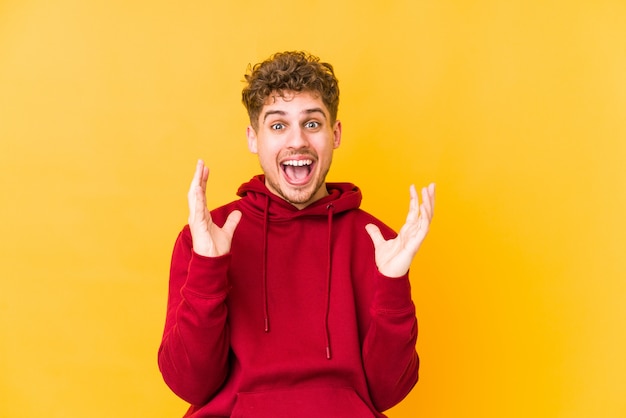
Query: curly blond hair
[[295, 71]]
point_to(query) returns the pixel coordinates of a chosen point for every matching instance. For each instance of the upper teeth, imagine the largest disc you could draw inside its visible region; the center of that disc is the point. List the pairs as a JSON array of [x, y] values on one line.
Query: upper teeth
[[298, 163]]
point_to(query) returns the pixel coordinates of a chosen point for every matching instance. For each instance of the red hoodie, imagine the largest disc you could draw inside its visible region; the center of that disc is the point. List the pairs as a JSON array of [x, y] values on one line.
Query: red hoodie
[[296, 321]]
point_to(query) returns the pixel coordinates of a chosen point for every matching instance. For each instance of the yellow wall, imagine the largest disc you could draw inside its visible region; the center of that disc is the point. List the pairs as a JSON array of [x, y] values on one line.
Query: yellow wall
[[515, 108]]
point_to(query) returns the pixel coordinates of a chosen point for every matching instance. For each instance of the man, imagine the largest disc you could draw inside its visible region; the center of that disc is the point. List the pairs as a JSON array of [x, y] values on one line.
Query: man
[[291, 301]]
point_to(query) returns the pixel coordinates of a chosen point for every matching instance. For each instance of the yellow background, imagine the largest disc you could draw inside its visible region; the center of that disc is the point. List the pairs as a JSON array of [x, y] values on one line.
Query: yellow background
[[515, 108]]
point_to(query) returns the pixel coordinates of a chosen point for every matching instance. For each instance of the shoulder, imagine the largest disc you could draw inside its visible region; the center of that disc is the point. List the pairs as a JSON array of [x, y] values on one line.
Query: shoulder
[[358, 218], [219, 214]]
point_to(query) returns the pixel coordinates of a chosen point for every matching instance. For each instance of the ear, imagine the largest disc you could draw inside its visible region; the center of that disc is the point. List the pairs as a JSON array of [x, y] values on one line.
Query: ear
[[252, 142], [337, 134]]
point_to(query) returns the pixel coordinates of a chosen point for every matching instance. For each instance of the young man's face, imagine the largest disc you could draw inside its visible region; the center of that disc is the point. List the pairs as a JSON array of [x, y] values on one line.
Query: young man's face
[[294, 142]]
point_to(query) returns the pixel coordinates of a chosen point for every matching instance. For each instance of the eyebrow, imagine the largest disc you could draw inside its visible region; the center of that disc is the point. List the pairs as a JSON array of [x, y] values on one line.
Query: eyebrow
[[283, 113], [273, 112]]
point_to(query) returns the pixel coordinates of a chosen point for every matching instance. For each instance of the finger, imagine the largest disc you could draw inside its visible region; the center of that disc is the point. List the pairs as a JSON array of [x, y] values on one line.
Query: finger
[[375, 234], [413, 214], [426, 206], [231, 222], [204, 177], [431, 194], [192, 195], [200, 179], [197, 175], [431, 199], [195, 182], [431, 188], [425, 218], [200, 209]]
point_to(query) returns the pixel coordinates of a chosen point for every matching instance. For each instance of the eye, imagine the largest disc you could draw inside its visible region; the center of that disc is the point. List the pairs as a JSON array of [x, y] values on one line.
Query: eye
[[312, 124], [277, 126]]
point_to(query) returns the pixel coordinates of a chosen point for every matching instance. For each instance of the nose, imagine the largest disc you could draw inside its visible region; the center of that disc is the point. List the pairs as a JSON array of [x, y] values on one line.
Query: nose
[[297, 138]]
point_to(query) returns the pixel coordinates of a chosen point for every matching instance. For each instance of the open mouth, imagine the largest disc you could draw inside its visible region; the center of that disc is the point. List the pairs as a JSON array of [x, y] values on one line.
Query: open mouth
[[298, 171]]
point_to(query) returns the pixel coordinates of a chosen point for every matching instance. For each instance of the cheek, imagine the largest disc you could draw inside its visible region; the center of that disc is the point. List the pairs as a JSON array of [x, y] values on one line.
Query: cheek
[[327, 147], [266, 155]]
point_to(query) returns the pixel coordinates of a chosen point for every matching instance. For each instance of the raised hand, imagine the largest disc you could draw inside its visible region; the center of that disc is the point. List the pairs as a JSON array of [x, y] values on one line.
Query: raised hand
[[209, 239], [394, 256]]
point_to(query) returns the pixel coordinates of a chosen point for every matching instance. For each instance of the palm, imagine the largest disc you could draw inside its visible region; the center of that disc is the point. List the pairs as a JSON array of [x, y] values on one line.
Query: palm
[[208, 239], [393, 257]]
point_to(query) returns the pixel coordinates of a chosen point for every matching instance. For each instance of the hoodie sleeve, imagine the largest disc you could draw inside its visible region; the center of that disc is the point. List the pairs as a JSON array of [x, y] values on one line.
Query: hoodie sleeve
[[193, 356], [390, 360]]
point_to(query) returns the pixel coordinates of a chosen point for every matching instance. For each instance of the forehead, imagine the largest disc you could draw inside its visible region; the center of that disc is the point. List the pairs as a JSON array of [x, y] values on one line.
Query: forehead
[[293, 102]]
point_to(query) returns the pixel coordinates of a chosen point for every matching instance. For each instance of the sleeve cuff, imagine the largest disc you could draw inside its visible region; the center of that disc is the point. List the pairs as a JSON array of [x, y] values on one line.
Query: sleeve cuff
[[393, 293], [208, 276]]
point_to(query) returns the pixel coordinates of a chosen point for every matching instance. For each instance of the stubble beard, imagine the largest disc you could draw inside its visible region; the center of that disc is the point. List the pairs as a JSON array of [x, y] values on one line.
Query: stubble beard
[[299, 196]]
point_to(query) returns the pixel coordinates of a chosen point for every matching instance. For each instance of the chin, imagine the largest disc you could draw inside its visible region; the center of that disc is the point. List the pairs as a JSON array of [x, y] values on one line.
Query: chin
[[298, 198]]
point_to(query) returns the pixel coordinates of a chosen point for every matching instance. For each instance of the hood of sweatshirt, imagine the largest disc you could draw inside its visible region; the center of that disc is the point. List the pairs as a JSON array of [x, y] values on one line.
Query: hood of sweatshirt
[[257, 200], [260, 201]]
